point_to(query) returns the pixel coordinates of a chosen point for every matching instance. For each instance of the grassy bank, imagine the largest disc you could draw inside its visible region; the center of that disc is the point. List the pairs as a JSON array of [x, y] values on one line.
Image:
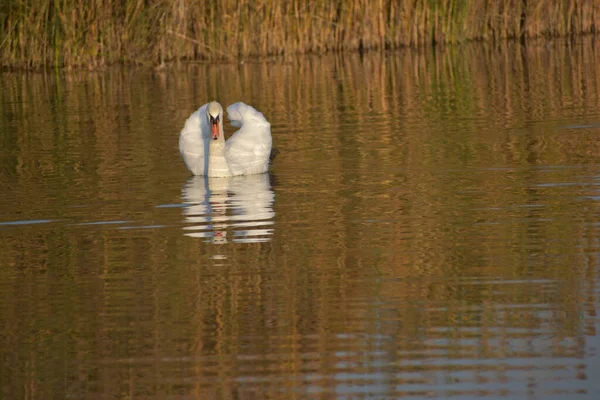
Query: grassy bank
[[36, 33]]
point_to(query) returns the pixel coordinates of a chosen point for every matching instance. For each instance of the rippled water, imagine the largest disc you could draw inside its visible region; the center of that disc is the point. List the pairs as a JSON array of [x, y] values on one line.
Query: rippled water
[[429, 229]]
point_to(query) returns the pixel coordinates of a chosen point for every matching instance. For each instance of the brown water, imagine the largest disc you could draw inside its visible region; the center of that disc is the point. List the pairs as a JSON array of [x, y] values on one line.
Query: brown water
[[431, 228]]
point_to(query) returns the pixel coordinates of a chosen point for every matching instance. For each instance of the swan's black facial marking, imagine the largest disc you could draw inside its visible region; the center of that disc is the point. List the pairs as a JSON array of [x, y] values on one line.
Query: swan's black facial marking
[[214, 122]]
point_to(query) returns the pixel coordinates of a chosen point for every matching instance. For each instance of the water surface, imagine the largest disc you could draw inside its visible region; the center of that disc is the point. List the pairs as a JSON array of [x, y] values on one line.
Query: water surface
[[431, 228]]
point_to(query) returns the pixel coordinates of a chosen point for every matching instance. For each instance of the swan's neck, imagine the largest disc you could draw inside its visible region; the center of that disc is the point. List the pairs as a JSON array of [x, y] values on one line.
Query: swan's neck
[[217, 160]]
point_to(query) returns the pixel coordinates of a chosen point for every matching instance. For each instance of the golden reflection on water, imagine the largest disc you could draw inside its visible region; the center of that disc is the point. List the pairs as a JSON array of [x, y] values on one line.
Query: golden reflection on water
[[429, 228]]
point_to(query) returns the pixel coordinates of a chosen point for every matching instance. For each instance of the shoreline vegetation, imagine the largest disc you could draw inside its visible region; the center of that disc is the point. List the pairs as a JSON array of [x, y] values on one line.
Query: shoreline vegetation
[[97, 33]]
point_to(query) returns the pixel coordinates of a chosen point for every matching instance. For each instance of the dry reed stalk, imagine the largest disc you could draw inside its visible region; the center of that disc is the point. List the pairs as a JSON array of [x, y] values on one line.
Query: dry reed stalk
[[36, 33]]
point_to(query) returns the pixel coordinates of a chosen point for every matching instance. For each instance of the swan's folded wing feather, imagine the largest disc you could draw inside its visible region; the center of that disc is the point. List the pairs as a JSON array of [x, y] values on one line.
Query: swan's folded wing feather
[[249, 148], [242, 152], [196, 123], [241, 113], [192, 141]]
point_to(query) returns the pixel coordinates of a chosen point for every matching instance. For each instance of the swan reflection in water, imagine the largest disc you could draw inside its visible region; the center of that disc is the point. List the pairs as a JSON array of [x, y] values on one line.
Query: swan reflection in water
[[239, 205]]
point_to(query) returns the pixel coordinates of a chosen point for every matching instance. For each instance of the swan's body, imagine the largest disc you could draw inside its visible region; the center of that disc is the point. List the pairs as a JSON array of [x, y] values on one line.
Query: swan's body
[[204, 149]]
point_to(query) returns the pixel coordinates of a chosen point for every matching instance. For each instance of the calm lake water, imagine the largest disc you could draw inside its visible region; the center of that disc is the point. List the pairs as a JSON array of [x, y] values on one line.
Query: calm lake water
[[431, 228]]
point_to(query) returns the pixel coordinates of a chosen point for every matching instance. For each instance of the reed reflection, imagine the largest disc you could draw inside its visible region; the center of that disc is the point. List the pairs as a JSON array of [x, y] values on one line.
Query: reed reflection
[[240, 205], [455, 252]]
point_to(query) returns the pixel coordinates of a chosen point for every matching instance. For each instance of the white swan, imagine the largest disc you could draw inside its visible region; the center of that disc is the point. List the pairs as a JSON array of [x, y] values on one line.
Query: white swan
[[205, 152]]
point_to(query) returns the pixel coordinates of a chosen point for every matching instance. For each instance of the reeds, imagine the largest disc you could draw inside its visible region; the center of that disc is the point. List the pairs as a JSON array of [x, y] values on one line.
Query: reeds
[[36, 33]]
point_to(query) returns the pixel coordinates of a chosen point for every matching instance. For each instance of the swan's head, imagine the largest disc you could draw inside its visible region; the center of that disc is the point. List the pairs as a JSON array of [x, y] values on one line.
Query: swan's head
[[214, 114]]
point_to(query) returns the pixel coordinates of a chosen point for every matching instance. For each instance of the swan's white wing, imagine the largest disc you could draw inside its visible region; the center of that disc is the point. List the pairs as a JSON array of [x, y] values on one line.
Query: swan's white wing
[[249, 148], [193, 141], [241, 113]]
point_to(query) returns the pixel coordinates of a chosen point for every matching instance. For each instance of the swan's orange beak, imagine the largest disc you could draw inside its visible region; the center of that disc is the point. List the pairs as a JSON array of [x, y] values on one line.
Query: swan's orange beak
[[215, 130]]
